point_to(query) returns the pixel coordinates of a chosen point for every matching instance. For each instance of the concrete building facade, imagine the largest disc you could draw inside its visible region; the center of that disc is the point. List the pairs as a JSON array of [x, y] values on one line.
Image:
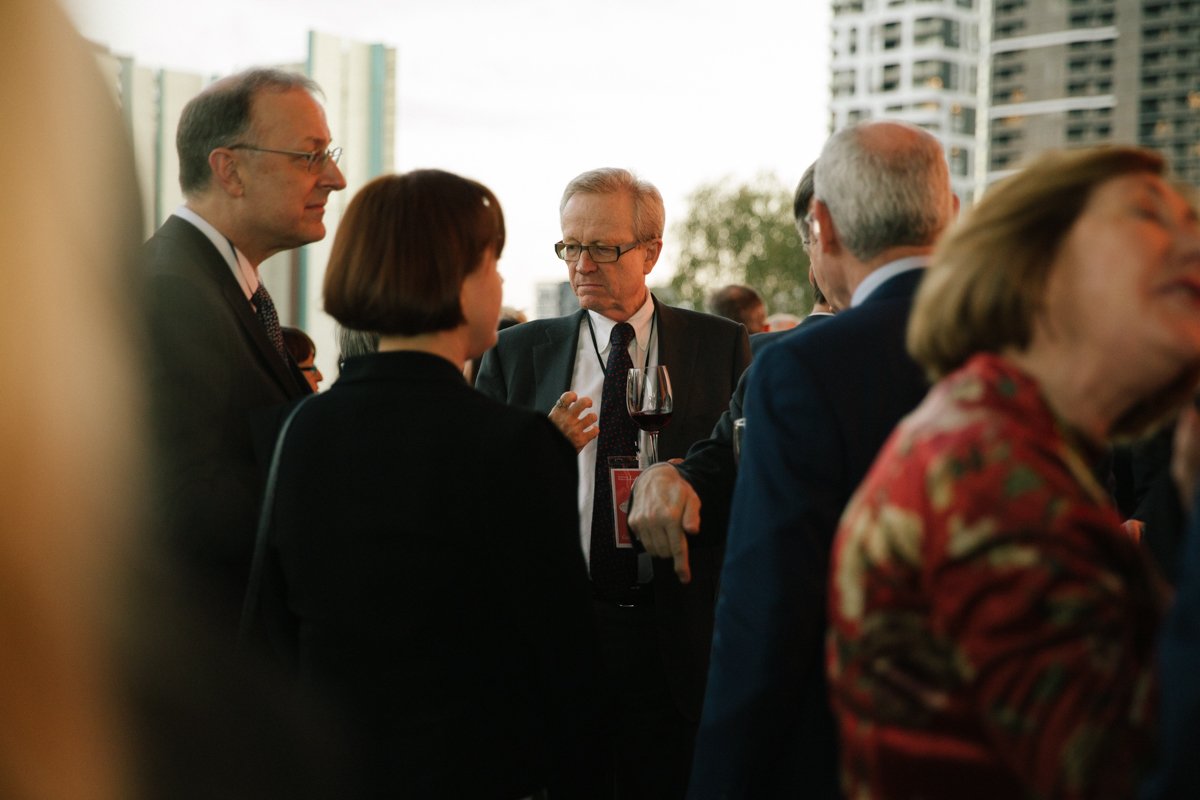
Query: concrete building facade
[[1001, 80]]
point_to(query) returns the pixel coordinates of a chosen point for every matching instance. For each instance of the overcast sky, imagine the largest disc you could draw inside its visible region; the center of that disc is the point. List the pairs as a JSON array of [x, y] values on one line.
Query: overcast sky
[[525, 94]]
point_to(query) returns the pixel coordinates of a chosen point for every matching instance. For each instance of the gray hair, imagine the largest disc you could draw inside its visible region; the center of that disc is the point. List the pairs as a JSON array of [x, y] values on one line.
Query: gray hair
[[352, 343], [886, 184], [220, 115], [649, 217]]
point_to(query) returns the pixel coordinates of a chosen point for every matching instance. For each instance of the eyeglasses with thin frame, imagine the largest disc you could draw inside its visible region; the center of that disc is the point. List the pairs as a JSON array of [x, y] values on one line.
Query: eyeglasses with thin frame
[[599, 253], [316, 160]]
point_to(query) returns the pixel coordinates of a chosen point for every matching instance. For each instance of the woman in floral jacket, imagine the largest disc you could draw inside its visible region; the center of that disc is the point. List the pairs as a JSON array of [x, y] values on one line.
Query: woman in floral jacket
[[992, 623]]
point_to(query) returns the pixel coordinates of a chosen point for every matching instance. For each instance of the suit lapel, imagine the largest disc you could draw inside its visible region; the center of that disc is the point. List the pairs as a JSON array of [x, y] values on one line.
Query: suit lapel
[[231, 291], [554, 359]]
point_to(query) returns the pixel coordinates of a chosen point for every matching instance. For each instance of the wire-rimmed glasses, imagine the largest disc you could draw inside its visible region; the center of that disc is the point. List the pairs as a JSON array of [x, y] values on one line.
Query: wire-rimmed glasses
[[316, 160]]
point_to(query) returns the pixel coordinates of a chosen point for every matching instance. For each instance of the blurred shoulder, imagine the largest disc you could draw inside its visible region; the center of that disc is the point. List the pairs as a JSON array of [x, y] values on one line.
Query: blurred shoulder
[[535, 331]]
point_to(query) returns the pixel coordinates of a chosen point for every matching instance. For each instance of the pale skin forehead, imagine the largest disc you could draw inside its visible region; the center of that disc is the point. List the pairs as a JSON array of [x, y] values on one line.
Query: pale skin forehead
[[598, 214], [293, 118]]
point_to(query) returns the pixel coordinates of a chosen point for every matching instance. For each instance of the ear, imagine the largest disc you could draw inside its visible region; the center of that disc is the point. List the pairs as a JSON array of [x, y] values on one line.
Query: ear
[[224, 165], [823, 229], [653, 251]]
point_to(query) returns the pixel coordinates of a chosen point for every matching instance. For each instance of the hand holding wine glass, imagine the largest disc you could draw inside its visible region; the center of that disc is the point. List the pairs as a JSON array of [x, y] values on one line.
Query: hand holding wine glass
[[650, 403]]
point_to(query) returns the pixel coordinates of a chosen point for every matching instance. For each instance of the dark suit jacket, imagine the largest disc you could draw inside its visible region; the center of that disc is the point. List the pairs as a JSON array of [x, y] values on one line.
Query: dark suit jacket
[[217, 383], [819, 406], [531, 367], [420, 573], [1176, 776], [709, 465]]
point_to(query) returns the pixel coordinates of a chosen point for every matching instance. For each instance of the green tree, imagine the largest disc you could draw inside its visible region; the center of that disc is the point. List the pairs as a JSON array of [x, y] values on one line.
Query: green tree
[[741, 233]]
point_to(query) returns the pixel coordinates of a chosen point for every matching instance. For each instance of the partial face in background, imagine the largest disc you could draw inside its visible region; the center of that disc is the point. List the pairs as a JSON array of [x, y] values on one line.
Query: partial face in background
[[756, 320], [311, 373], [617, 289]]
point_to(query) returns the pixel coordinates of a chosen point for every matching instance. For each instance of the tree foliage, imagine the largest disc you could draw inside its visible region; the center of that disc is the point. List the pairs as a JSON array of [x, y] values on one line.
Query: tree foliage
[[741, 233]]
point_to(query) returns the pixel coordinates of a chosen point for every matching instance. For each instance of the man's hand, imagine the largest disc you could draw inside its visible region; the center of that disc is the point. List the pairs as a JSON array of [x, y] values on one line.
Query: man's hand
[[665, 510], [565, 415]]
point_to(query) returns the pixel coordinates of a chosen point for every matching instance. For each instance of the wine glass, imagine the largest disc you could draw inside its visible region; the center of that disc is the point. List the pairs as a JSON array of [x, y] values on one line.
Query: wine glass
[[648, 398]]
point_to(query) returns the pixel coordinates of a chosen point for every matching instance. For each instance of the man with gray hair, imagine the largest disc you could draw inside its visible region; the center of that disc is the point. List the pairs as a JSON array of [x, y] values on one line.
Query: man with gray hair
[[818, 407], [256, 169], [654, 632]]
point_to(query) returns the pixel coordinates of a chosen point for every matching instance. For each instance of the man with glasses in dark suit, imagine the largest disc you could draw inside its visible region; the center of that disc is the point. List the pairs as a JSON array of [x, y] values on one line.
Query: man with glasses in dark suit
[[654, 632], [256, 169]]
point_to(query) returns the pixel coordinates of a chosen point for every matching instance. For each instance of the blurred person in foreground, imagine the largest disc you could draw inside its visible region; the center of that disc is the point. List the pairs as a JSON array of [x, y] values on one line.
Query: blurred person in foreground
[[456, 634], [992, 623], [819, 405], [740, 304], [256, 168], [111, 686], [73, 455]]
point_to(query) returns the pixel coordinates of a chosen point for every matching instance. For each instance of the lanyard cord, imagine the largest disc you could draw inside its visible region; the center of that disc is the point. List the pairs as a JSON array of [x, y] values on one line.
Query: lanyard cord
[[649, 341]]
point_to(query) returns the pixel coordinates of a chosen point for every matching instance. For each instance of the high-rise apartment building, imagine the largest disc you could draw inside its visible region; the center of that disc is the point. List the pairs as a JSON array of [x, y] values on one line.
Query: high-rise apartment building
[[910, 60], [1086, 72], [1031, 74]]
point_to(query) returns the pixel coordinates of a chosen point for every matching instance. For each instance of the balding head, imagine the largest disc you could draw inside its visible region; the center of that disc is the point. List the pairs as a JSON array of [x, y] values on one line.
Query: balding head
[[886, 185]]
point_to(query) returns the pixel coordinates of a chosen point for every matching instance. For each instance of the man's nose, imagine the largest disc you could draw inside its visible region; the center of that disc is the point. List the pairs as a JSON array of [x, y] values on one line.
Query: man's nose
[[332, 176], [585, 258]]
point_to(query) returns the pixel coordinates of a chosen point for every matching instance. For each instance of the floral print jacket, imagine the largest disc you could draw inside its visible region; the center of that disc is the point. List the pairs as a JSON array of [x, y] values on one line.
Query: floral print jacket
[[992, 625]]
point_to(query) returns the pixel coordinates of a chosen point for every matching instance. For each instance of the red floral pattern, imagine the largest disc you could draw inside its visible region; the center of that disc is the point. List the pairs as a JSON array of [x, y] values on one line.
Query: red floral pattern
[[991, 624]]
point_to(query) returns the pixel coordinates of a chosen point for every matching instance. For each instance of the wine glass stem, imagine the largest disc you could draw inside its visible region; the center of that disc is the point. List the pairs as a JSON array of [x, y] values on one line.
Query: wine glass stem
[[652, 450]]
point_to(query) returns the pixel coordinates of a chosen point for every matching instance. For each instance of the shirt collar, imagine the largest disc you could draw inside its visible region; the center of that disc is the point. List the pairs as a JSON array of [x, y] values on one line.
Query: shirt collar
[[641, 322], [245, 273], [885, 273]]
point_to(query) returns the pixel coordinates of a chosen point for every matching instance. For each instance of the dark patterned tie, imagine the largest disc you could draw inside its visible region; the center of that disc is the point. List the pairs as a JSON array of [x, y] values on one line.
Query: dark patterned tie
[[612, 568], [270, 320]]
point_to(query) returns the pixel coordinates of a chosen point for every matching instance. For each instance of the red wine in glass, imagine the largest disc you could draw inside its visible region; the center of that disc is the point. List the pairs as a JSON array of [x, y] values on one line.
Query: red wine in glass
[[651, 421], [650, 403]]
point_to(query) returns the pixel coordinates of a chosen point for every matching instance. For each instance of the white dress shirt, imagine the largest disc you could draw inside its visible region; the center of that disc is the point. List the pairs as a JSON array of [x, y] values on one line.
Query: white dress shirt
[[884, 274], [245, 272], [588, 381]]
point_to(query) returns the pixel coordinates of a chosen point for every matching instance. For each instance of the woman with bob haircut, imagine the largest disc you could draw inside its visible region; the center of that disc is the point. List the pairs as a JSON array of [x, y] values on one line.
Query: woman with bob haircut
[[418, 569], [992, 624]]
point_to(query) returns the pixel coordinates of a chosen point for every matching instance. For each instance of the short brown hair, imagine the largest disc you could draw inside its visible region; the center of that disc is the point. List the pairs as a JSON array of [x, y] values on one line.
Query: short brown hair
[[988, 275], [403, 248]]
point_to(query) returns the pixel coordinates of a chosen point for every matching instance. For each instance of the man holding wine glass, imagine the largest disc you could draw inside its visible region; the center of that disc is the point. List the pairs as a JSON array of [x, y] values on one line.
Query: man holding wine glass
[[576, 369]]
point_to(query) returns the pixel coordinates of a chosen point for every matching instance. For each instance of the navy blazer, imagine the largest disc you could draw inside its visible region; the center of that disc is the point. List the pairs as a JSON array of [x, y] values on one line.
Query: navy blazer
[[217, 386], [710, 467], [819, 406], [531, 367]]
